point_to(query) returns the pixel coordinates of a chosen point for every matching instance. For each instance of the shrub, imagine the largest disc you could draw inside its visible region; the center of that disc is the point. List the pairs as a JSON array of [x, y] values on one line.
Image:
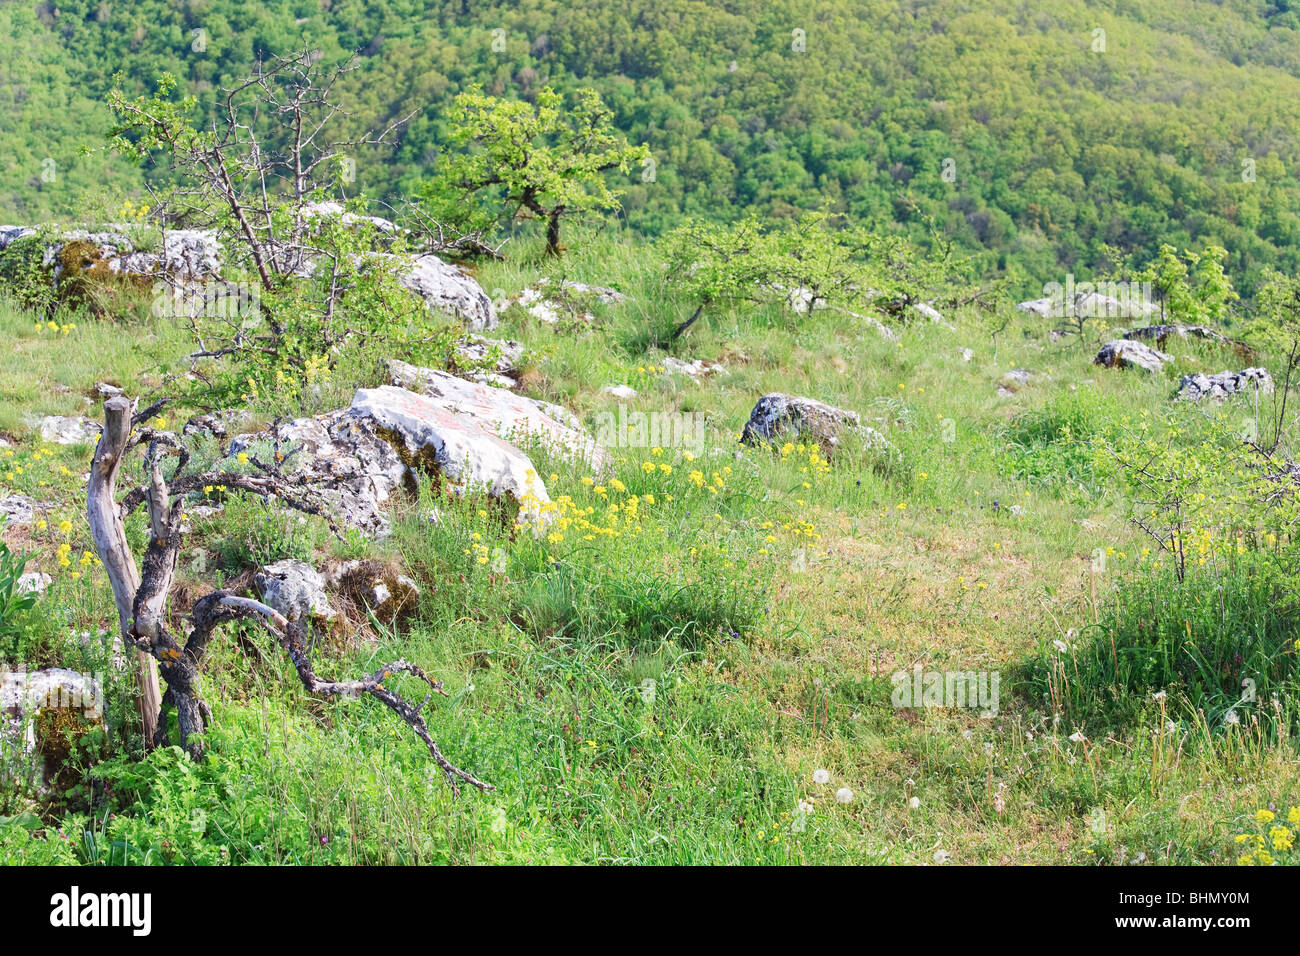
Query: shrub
[[25, 276]]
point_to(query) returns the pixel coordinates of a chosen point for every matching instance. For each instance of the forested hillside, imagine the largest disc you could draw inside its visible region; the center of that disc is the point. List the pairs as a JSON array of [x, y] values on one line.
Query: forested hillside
[[1026, 133]]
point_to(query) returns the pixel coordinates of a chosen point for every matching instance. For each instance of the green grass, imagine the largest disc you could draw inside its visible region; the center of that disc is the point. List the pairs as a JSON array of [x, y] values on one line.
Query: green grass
[[664, 695]]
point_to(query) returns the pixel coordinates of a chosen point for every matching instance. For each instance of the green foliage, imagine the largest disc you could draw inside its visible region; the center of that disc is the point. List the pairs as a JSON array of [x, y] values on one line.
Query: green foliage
[[1192, 288], [310, 340], [320, 294], [1275, 325], [663, 695], [1053, 447], [25, 275], [546, 159], [256, 533], [1043, 176], [26, 841], [806, 262], [1222, 644], [12, 600], [145, 124]]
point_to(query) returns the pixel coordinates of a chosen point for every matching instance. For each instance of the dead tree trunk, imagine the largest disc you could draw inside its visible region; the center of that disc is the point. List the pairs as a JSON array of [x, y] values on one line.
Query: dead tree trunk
[[110, 542], [142, 597]]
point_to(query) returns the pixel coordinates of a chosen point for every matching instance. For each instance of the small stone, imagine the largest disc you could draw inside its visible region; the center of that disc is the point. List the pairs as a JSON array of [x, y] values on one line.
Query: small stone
[[1014, 380], [694, 369], [33, 582], [777, 415], [17, 510]]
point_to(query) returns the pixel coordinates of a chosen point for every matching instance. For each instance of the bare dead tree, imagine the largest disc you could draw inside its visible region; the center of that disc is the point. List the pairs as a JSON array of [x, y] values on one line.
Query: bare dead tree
[[235, 175], [262, 172], [426, 233], [142, 597]]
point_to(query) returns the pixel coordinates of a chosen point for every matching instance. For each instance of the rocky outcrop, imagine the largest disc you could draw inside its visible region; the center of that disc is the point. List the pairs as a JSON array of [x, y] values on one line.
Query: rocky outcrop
[[457, 446], [456, 431], [17, 510], [1224, 385], [510, 417], [1089, 305], [444, 287], [1125, 353], [185, 254], [329, 209], [45, 712], [549, 303], [352, 469], [778, 416]]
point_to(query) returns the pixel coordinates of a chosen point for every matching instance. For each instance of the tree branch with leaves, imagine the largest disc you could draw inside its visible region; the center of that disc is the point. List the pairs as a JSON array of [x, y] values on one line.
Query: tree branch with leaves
[[543, 160]]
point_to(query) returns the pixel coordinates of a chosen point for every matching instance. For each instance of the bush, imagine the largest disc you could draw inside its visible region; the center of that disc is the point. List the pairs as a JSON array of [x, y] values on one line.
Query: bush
[[24, 275]]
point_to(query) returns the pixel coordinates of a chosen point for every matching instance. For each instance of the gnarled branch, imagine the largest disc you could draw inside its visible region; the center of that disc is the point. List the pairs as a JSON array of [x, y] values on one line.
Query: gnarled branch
[[142, 596]]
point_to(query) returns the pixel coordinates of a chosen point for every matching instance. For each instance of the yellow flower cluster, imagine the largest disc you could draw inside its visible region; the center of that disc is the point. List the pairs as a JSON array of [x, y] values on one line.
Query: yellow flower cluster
[[812, 464], [480, 551], [129, 211], [28, 470], [60, 328], [1280, 839]]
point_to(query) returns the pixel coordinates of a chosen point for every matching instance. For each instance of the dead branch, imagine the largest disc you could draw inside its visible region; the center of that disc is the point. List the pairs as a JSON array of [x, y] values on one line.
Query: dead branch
[[142, 597], [109, 535]]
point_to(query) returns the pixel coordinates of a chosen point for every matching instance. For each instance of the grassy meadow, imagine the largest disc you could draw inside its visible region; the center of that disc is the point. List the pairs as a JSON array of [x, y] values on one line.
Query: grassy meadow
[[661, 679]]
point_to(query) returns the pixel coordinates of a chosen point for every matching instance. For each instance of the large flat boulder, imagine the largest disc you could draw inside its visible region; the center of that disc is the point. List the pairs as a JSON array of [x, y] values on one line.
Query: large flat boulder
[[511, 417], [456, 445], [1126, 353], [459, 432]]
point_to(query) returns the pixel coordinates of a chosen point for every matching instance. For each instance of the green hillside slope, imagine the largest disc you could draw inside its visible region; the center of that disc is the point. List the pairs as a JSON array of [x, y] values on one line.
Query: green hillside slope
[[1027, 134]]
